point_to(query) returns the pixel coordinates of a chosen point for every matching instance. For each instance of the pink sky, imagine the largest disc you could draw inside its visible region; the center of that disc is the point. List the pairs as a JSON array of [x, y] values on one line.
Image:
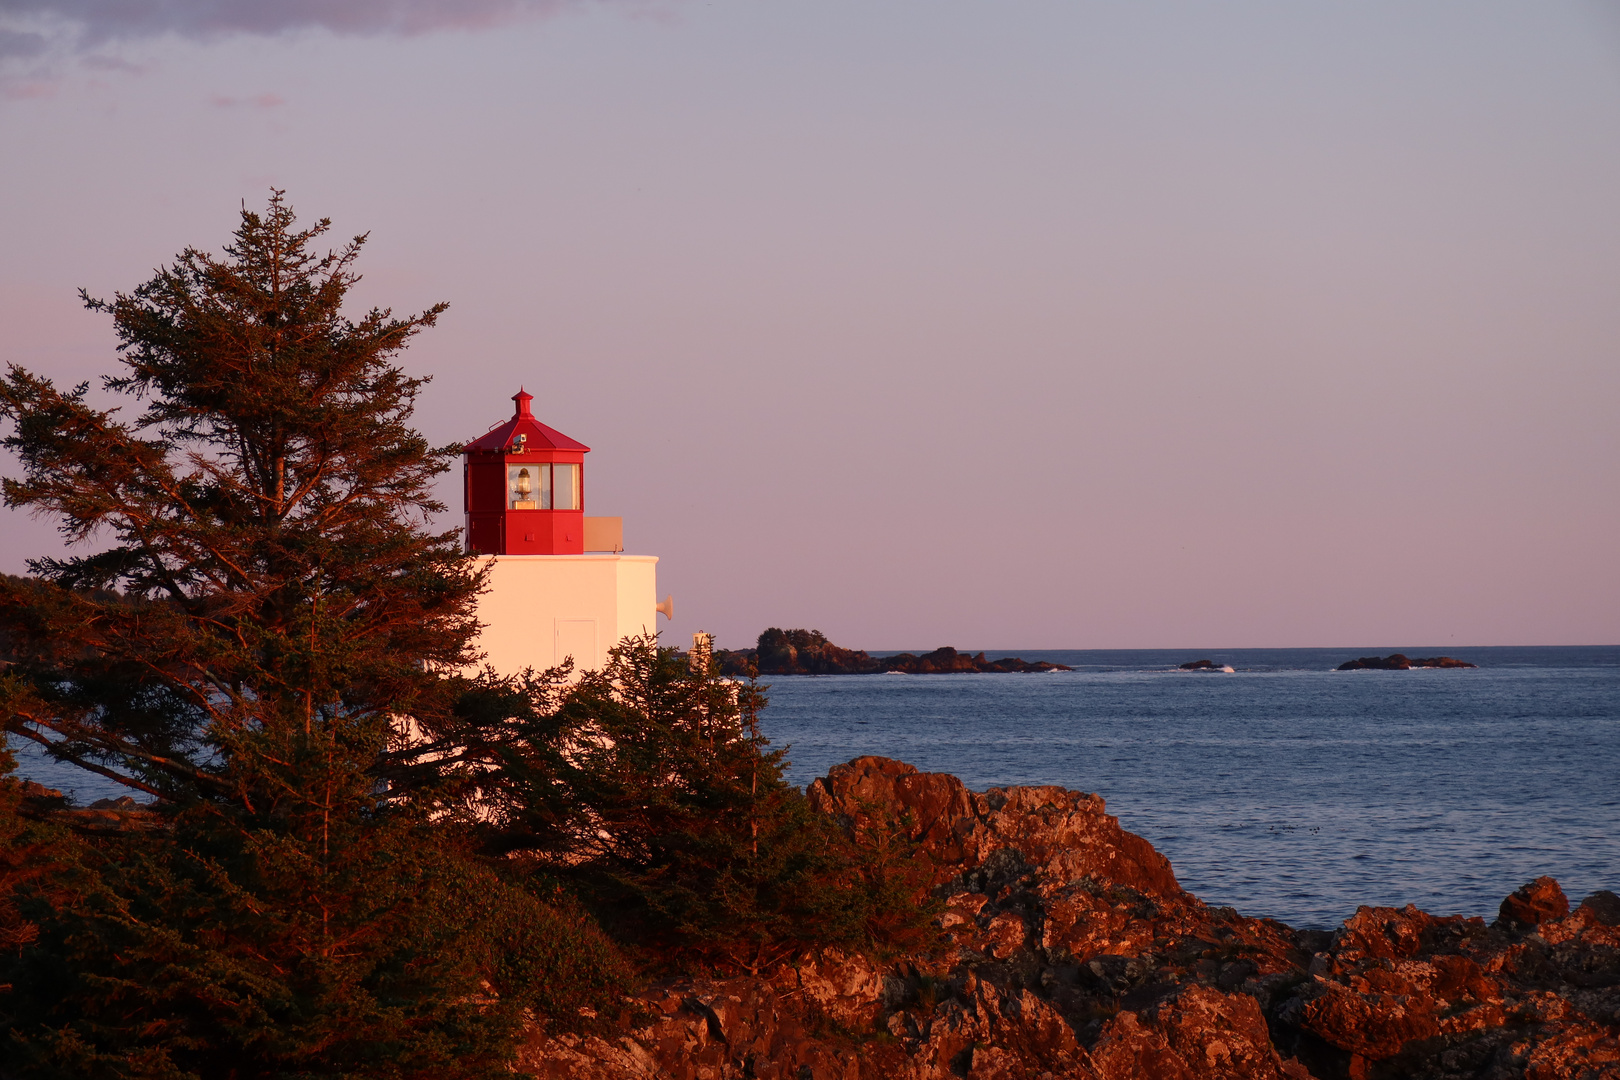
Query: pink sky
[[1007, 326]]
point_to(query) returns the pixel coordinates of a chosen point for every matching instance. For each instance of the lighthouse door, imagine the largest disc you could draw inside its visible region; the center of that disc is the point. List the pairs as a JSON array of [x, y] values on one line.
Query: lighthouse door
[[577, 638]]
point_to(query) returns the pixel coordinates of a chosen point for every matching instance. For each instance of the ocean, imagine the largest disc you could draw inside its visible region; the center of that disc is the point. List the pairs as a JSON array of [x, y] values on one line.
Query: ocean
[[1284, 788]]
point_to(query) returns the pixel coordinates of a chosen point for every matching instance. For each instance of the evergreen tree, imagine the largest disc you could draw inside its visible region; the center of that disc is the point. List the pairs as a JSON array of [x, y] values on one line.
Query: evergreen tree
[[36, 859], [648, 788], [271, 610], [383, 953], [271, 588]]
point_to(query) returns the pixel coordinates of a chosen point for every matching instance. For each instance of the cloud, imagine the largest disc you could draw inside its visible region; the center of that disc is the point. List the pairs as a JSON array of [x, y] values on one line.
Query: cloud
[[20, 45], [88, 24], [38, 37]]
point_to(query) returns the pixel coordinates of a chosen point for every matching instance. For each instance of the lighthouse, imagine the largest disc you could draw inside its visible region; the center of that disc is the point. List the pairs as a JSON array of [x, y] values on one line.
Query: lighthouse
[[560, 585]]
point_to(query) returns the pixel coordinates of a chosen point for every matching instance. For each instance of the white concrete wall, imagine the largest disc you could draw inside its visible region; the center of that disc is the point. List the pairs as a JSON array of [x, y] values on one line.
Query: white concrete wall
[[638, 595], [540, 608]]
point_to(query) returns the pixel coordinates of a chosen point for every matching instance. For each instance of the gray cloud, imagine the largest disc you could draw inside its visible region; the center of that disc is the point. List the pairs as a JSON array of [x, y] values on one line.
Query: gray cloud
[[20, 45], [30, 28]]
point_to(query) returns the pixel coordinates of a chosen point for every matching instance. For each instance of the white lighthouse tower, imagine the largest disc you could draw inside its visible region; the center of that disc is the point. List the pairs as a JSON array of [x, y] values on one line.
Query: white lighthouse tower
[[560, 584]]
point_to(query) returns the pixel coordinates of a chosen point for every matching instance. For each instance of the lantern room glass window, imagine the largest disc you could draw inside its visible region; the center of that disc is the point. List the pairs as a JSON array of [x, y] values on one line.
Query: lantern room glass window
[[542, 486], [565, 487]]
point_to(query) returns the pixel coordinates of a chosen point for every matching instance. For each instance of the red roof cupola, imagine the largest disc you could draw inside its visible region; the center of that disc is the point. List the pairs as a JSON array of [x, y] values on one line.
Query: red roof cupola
[[524, 430], [525, 488]]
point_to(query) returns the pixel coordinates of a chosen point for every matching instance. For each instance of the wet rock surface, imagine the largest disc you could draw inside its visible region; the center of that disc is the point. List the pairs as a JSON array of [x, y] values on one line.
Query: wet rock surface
[[1069, 950]]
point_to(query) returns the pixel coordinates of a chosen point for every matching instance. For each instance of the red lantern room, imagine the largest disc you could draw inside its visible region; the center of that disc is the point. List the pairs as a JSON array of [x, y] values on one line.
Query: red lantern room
[[525, 489]]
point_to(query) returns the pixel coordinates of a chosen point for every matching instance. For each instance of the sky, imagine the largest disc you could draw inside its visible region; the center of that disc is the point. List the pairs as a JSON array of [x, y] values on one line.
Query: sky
[[1010, 325]]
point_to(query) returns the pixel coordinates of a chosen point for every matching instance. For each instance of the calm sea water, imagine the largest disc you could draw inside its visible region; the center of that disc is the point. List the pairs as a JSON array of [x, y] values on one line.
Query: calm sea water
[[1284, 789]]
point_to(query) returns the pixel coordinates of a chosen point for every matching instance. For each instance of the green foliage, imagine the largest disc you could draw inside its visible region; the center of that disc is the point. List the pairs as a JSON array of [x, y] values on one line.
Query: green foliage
[[547, 952], [190, 960], [270, 572], [270, 612], [35, 859], [344, 936], [326, 932], [216, 950], [648, 788]]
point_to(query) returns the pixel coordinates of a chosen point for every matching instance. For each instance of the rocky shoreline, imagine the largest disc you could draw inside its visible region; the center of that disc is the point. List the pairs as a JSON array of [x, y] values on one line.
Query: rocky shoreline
[[1068, 949]]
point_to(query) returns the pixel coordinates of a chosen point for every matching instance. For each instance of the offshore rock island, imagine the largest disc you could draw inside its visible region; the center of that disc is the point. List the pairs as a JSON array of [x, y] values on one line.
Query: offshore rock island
[[808, 652], [1068, 949], [1401, 662]]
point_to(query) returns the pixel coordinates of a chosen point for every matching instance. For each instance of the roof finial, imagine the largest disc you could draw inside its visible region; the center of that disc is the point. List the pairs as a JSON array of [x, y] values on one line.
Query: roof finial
[[522, 398]]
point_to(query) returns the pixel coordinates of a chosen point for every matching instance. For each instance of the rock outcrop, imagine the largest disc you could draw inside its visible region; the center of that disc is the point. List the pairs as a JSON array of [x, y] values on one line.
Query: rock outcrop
[[808, 652], [948, 659], [120, 815], [1069, 950], [1401, 662]]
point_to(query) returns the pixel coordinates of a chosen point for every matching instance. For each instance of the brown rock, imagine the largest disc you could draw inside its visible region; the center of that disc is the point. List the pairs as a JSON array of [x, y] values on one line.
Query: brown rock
[[798, 652], [1006, 933], [938, 803], [1392, 662], [1374, 1018], [1530, 905], [947, 660], [1070, 951], [1064, 834], [1604, 908], [845, 989], [33, 790], [1402, 662], [1581, 1052], [113, 817], [1219, 1036], [704, 1030], [1398, 932], [1130, 1051], [991, 1031]]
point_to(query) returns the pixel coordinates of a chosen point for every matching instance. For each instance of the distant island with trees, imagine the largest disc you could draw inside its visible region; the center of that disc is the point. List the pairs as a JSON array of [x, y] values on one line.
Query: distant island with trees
[[808, 652]]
